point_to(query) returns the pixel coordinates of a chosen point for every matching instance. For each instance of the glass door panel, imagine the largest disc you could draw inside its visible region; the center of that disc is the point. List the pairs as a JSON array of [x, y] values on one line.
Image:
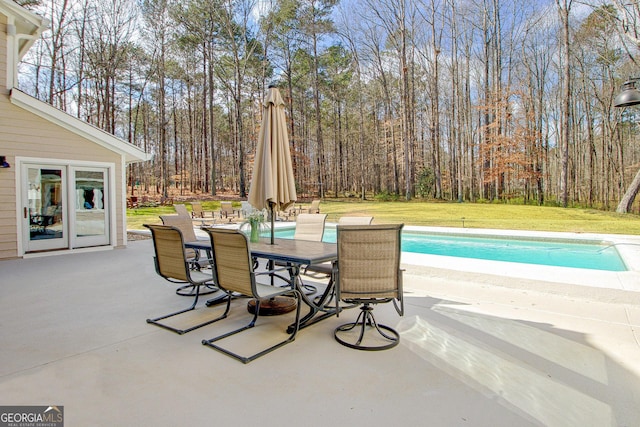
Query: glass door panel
[[45, 215], [91, 216]]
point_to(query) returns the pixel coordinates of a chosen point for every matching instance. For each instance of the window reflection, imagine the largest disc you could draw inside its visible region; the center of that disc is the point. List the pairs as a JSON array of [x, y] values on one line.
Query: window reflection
[[90, 214], [45, 203]]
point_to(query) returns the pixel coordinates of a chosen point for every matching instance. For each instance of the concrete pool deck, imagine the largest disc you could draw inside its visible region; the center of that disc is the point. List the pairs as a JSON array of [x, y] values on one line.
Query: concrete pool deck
[[476, 350]]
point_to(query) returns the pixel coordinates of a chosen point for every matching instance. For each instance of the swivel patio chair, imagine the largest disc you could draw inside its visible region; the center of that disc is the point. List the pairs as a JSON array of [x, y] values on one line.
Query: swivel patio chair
[[234, 274], [172, 264], [355, 220], [326, 268], [368, 273]]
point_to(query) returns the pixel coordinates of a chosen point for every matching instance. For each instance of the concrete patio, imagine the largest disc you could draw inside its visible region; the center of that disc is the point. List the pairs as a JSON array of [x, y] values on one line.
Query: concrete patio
[[476, 350]]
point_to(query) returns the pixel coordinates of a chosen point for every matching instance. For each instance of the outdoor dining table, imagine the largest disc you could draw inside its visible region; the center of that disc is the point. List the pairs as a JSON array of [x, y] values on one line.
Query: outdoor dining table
[[295, 254]]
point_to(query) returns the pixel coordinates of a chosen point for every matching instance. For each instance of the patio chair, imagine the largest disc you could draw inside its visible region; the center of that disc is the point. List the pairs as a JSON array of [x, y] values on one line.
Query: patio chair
[[234, 274], [227, 211], [172, 264], [314, 208], [196, 262], [355, 220], [197, 213], [326, 268], [368, 273], [196, 210], [288, 213], [310, 227]]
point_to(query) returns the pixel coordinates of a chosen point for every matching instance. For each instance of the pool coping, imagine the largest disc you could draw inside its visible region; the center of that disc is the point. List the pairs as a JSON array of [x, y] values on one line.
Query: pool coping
[[628, 247]]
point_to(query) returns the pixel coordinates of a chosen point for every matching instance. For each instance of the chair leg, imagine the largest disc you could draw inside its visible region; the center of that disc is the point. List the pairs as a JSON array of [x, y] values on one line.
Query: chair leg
[[189, 290], [367, 320], [156, 320], [247, 359]]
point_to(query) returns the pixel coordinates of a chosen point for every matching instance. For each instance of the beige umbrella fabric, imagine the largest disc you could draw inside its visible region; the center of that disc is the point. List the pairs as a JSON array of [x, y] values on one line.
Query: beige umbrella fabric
[[273, 184]]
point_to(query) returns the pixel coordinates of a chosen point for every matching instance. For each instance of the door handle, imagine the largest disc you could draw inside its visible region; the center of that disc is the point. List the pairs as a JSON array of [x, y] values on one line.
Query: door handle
[[25, 213]]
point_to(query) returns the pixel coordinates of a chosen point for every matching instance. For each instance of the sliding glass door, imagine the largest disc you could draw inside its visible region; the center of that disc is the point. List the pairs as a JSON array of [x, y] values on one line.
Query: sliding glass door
[[65, 207]]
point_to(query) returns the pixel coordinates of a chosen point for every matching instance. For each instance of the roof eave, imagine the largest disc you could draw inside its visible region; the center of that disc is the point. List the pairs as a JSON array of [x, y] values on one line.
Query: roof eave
[[23, 23], [130, 152]]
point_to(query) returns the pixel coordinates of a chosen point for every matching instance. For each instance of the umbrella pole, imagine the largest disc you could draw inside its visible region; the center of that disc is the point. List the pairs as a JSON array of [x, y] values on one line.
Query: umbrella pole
[[272, 220], [271, 263]]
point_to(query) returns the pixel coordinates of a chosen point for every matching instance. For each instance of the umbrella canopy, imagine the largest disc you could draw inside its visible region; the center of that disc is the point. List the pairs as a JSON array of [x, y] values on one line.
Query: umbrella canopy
[[272, 184]]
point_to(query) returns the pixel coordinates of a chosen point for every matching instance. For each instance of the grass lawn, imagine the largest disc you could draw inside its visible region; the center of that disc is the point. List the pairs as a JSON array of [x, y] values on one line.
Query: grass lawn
[[513, 217]]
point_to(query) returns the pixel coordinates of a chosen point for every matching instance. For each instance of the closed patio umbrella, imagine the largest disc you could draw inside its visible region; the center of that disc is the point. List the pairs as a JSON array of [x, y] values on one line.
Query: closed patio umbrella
[[272, 184]]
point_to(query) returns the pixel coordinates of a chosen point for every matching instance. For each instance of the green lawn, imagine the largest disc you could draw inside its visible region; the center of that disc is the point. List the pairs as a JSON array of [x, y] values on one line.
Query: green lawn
[[514, 217]]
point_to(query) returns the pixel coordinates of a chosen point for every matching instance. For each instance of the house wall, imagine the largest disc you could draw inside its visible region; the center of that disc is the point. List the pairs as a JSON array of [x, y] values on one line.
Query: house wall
[[24, 134]]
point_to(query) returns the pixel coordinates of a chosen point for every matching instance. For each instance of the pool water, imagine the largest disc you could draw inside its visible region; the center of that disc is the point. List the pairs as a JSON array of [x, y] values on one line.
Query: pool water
[[557, 253]]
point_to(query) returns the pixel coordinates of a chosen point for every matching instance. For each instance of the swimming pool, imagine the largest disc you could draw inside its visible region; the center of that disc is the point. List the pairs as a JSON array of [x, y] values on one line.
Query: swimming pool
[[591, 255]]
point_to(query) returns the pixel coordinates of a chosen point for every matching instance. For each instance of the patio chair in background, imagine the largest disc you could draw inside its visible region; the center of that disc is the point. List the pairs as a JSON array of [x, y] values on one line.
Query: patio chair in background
[[196, 210], [227, 211], [314, 208], [368, 273], [197, 213], [194, 257], [310, 227], [290, 213], [172, 264], [355, 220], [233, 273], [132, 202]]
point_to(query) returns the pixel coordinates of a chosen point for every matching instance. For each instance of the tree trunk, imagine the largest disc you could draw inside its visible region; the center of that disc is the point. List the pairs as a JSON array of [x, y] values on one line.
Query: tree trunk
[[630, 195]]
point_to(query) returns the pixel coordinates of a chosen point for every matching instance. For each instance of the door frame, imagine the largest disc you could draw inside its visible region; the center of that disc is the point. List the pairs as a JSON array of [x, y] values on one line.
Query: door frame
[[69, 166]]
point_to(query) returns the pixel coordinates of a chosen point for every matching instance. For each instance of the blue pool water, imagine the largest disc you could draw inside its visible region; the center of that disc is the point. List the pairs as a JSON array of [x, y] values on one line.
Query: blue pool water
[[543, 252]]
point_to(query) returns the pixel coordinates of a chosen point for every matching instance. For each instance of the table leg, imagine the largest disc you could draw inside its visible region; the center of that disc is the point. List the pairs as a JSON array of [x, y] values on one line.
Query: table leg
[[314, 308]]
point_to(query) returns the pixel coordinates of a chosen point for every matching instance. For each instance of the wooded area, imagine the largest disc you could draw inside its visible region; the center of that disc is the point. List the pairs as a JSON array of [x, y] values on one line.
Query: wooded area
[[455, 100]]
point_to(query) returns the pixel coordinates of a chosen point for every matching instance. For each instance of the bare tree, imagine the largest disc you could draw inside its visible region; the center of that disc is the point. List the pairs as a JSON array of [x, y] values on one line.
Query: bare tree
[[564, 10]]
